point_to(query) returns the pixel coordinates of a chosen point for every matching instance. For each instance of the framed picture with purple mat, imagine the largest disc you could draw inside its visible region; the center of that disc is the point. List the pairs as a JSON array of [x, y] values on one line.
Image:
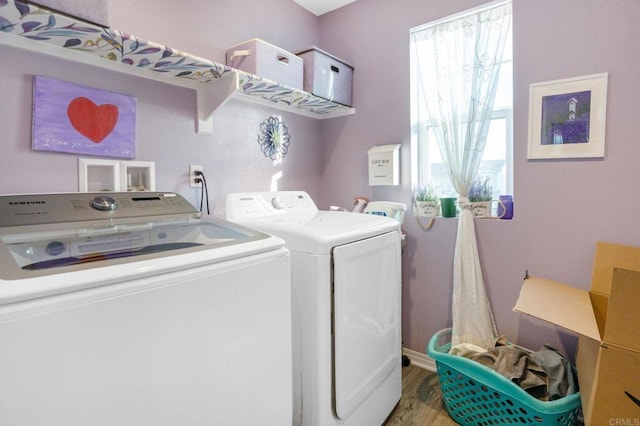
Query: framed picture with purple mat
[[77, 119], [567, 118]]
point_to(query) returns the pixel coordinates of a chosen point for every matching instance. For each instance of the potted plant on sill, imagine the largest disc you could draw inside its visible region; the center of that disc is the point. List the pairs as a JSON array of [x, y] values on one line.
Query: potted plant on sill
[[480, 197], [425, 199]]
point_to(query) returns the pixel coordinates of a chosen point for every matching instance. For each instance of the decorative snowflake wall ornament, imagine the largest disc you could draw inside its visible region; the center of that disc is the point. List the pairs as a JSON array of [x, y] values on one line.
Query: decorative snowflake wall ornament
[[274, 138]]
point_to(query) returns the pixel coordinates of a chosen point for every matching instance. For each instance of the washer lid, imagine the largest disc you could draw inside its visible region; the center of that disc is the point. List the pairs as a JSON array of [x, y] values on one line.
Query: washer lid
[[49, 234], [317, 232]]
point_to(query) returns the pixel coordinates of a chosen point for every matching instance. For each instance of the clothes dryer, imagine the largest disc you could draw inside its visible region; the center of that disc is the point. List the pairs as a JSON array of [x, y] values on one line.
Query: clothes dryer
[[346, 276]]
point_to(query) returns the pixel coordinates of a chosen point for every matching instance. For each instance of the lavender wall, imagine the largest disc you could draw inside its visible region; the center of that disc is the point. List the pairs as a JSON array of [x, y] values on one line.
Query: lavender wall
[[165, 132], [562, 207]]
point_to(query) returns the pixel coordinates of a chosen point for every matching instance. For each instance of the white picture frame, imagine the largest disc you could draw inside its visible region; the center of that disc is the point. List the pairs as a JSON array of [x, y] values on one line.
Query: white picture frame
[[567, 118]]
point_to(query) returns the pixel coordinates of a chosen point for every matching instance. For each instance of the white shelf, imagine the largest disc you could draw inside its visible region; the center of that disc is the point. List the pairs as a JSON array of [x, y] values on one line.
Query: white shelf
[[29, 27], [98, 175], [137, 176]]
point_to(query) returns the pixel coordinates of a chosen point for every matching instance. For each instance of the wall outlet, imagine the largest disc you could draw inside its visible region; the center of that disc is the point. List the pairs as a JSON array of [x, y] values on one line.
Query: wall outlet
[[192, 176]]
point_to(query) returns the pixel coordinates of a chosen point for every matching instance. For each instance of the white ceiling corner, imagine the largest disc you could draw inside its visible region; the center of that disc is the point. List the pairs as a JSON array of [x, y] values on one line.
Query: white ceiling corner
[[320, 7]]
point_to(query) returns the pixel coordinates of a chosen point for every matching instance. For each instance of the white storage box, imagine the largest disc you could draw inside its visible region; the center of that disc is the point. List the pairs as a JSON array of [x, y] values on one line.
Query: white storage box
[[263, 59], [327, 76]]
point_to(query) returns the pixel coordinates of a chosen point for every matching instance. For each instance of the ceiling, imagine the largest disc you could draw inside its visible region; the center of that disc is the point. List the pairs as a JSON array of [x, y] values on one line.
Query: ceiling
[[320, 7]]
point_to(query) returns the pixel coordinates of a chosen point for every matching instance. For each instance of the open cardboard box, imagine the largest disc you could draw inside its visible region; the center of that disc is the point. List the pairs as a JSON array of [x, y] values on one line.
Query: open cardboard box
[[607, 319]]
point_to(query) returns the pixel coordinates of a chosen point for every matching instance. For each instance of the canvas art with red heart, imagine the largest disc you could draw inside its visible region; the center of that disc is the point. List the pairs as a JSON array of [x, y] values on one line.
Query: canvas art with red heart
[[91, 120], [68, 117]]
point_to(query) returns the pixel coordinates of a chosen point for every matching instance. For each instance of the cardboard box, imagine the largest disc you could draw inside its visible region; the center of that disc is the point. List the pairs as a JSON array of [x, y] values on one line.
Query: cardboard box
[[327, 76], [265, 60], [607, 319]]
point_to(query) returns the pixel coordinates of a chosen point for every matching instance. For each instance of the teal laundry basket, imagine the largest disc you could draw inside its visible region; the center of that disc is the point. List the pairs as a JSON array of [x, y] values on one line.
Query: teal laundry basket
[[477, 395]]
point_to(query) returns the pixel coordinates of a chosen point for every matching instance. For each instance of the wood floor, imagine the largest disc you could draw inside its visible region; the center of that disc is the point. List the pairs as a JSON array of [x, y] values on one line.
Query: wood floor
[[421, 403]]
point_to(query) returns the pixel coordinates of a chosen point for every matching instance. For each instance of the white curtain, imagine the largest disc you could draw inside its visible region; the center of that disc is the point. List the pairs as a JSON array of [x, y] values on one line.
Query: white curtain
[[458, 61]]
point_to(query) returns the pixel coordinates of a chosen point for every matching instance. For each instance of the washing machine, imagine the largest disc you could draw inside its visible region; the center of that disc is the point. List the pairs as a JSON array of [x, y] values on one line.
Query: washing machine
[[132, 309], [346, 276]]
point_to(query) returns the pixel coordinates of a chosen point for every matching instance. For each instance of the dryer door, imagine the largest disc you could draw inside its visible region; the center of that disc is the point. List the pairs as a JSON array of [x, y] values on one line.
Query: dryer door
[[367, 334]]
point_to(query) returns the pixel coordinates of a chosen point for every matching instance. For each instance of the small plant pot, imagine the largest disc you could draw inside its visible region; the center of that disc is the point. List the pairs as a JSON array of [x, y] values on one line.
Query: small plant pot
[[427, 208], [481, 209], [449, 206]]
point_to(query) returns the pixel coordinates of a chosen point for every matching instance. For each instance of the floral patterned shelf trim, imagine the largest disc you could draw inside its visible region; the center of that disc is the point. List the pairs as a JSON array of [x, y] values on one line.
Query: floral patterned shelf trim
[[274, 92], [31, 22], [40, 25]]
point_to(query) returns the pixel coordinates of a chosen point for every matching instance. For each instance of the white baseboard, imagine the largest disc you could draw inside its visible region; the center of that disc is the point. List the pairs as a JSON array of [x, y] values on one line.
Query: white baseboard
[[420, 359]]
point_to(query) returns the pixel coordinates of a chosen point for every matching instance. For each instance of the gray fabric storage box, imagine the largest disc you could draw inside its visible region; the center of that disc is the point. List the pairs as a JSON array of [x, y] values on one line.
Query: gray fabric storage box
[[263, 59], [327, 76], [96, 11]]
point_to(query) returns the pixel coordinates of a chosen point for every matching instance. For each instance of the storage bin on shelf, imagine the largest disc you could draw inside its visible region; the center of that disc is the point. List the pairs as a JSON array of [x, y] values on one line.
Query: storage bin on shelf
[[477, 395], [327, 76], [258, 57]]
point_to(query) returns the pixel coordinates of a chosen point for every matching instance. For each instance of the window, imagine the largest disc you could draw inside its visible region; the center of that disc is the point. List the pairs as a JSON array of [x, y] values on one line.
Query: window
[[497, 160]]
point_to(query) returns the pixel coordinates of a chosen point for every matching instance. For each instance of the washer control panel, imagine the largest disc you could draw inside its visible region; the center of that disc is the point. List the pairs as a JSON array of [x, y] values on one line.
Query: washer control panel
[[39, 209], [260, 204]]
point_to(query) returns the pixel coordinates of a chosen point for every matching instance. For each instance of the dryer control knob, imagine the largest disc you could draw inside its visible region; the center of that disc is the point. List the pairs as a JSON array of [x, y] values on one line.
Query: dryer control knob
[[104, 203], [277, 203]]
